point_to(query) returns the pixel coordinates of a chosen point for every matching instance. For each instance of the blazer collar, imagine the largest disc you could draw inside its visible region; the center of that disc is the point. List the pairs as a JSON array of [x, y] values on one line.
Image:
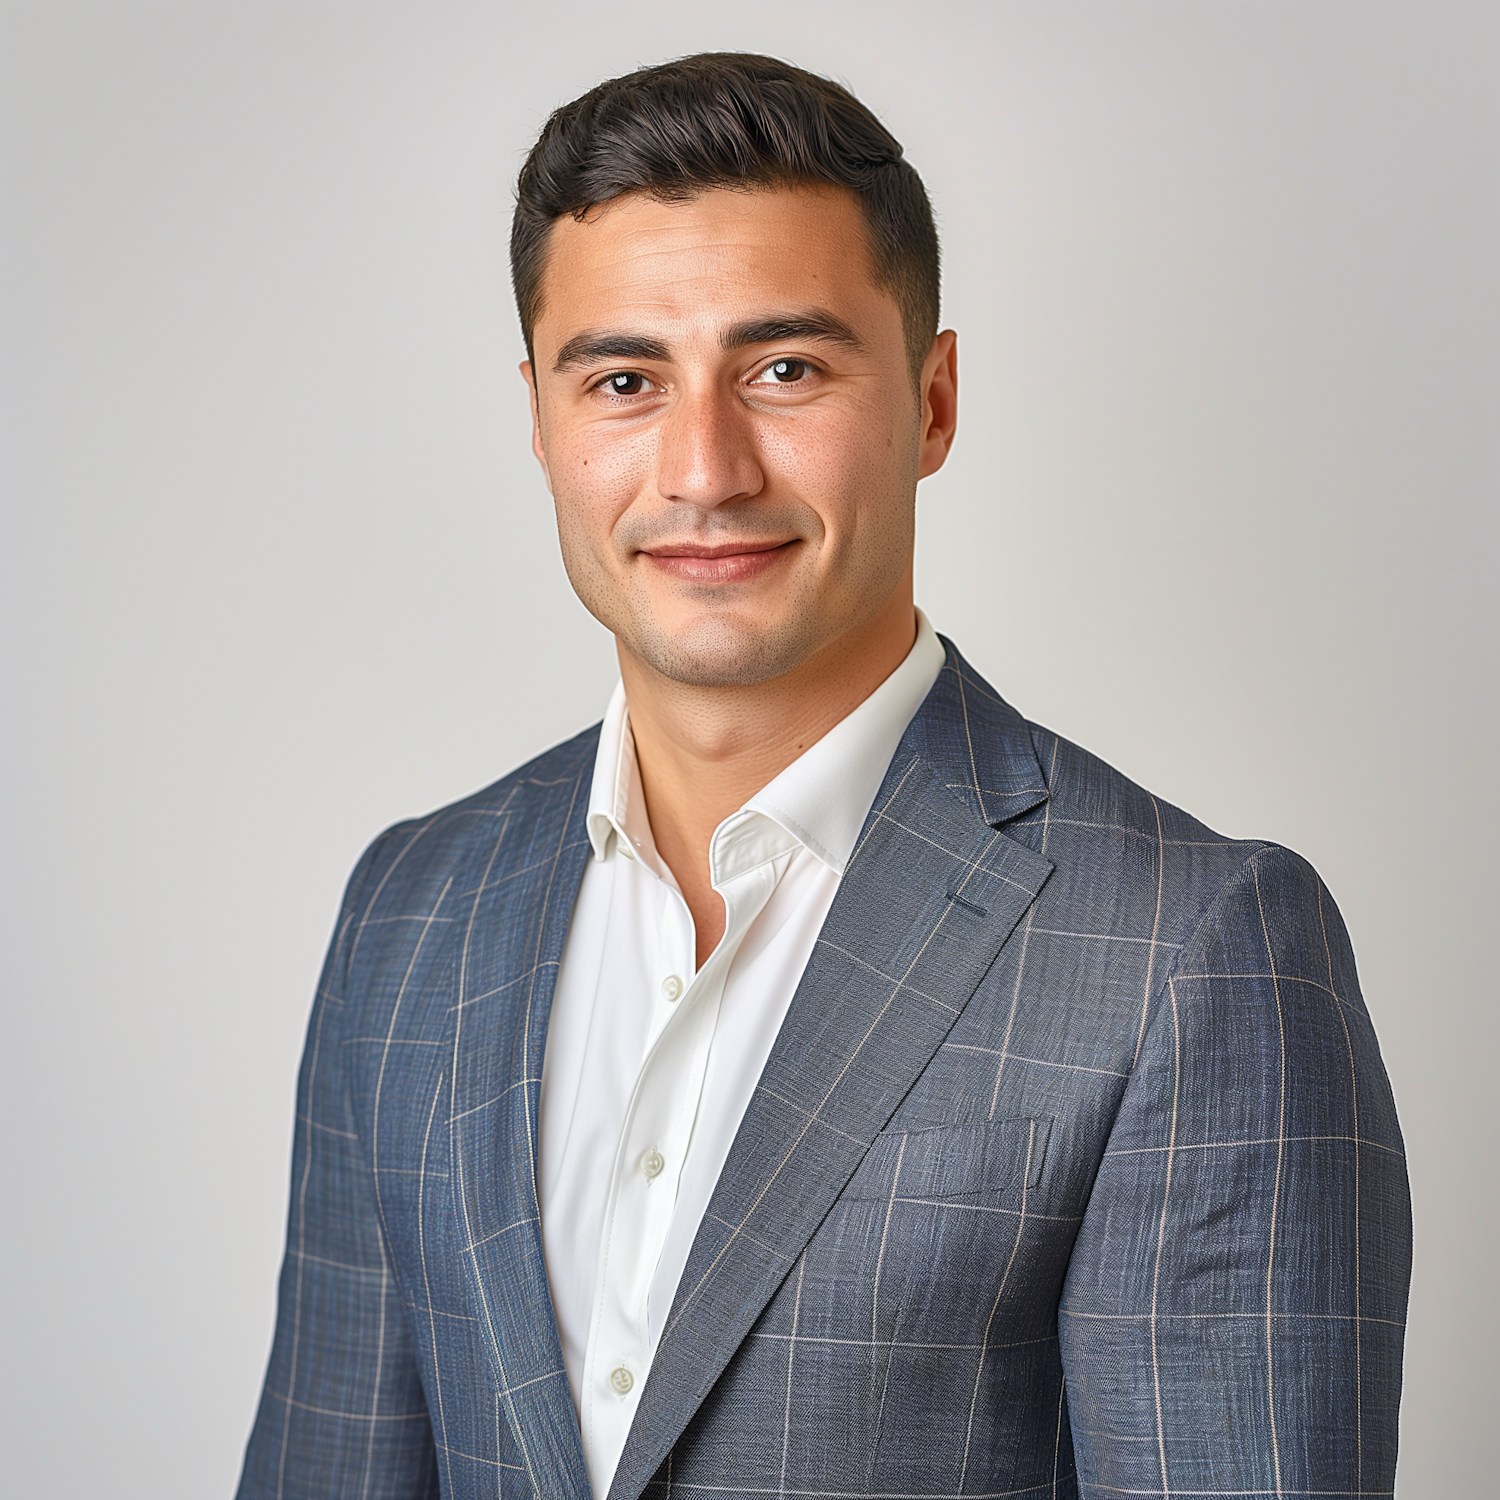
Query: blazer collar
[[933, 891], [979, 745]]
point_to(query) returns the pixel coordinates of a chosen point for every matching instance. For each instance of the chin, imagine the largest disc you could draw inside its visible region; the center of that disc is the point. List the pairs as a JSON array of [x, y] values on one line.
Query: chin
[[722, 653]]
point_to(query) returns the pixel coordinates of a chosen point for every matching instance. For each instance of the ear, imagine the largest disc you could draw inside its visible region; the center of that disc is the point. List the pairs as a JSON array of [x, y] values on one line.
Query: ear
[[939, 403], [537, 447]]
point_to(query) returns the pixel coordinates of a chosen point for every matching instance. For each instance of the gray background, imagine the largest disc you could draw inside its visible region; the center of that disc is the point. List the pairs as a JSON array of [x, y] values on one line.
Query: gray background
[[280, 569]]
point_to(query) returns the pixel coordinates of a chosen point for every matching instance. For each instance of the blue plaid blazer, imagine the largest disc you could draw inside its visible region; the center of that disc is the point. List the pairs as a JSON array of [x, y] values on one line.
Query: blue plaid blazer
[[1074, 1170]]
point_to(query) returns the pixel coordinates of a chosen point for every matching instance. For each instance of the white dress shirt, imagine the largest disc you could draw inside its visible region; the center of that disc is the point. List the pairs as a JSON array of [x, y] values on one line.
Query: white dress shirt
[[650, 1063]]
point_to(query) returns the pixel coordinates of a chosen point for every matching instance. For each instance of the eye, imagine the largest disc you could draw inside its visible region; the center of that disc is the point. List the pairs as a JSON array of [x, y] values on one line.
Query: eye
[[784, 372], [625, 383]]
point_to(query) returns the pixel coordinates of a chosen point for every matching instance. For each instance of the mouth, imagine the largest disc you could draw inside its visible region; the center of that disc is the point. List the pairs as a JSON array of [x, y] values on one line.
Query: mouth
[[726, 562]]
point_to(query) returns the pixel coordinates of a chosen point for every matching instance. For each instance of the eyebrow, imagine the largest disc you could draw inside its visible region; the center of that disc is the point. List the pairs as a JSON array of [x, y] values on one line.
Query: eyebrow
[[816, 325], [595, 345]]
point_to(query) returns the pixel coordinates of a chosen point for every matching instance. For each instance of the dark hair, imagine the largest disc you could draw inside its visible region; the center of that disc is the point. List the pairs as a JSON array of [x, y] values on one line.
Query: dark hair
[[728, 120]]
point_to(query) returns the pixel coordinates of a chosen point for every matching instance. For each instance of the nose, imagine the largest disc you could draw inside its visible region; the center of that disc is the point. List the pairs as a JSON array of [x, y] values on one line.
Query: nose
[[707, 455]]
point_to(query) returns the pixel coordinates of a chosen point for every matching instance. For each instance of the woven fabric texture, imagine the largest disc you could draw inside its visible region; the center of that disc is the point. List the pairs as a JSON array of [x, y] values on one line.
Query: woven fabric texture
[[1074, 1170]]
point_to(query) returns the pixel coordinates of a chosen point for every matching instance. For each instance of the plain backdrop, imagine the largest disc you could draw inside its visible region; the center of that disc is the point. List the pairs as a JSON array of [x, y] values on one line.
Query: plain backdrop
[[280, 569]]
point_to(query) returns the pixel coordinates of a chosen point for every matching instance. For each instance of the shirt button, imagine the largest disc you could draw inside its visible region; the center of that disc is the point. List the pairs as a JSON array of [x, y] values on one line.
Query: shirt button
[[621, 1380], [652, 1163], [671, 987]]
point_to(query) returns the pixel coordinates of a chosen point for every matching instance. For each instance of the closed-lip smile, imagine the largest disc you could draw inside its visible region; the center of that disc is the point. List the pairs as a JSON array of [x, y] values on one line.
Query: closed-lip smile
[[723, 562]]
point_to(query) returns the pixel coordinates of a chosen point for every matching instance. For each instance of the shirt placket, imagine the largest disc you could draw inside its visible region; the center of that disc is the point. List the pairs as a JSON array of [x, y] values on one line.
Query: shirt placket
[[653, 1147], [648, 1165]]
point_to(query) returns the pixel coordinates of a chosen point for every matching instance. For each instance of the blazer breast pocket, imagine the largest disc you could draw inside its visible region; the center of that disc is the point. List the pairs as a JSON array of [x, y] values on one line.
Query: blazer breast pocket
[[934, 1224], [952, 1163]]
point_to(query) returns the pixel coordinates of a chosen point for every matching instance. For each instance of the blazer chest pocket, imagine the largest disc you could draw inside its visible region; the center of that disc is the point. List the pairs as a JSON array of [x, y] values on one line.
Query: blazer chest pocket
[[952, 1163]]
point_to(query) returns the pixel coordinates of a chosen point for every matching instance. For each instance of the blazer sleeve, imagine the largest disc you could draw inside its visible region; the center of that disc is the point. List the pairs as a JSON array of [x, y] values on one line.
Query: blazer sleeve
[[1232, 1319], [342, 1412]]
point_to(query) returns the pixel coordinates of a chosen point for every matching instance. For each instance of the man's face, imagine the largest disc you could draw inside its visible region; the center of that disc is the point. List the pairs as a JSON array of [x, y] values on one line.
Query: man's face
[[726, 417]]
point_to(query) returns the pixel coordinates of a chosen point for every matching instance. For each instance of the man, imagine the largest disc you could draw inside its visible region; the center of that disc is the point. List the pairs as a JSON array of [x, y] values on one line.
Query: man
[[815, 1079]]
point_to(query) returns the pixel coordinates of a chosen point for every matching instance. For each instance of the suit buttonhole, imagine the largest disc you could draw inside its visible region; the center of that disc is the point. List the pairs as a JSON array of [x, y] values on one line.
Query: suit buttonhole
[[957, 900]]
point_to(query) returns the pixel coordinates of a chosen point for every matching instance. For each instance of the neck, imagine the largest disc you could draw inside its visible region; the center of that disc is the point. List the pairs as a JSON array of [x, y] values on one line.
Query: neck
[[704, 751]]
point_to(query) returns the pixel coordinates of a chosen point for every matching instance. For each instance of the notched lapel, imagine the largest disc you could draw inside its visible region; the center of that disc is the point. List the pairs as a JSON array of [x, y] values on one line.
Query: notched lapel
[[512, 922], [929, 898]]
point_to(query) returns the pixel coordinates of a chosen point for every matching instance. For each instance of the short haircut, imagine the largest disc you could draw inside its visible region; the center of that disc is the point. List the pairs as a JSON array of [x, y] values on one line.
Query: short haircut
[[728, 120]]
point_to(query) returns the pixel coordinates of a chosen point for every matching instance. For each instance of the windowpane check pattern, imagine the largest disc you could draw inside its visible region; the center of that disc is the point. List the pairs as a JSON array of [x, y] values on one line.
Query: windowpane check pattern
[[646, 1079], [1073, 1170]]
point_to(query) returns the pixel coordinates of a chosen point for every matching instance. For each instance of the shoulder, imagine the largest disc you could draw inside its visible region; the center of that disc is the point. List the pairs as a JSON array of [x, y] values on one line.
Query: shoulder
[[1089, 794], [501, 823], [1119, 846], [1242, 931]]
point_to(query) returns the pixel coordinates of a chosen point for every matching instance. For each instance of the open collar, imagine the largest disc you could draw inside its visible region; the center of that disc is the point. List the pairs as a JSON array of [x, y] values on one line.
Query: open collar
[[821, 800]]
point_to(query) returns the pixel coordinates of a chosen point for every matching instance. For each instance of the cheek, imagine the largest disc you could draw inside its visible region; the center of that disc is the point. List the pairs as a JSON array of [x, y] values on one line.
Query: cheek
[[594, 480], [858, 474]]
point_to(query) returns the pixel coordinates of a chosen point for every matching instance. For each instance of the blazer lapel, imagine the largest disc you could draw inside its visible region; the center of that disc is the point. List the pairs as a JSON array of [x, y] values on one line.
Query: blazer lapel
[[930, 896], [512, 921]]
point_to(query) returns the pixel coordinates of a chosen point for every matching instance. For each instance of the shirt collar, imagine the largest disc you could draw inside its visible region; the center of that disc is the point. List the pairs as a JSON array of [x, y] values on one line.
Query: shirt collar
[[616, 799], [821, 799]]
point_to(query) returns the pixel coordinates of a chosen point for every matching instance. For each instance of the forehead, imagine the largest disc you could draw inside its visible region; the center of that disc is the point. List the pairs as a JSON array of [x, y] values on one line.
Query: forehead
[[711, 259]]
